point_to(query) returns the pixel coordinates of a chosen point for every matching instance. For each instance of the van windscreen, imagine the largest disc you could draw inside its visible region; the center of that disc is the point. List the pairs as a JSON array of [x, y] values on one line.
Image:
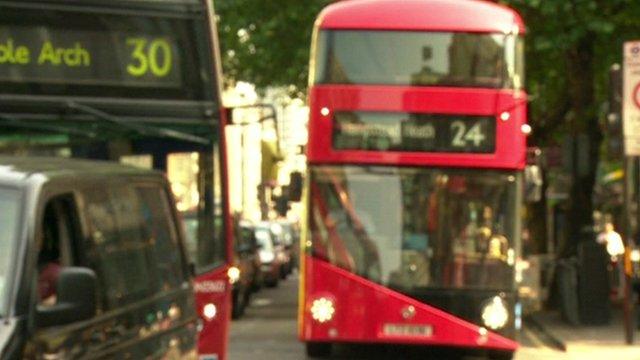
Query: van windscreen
[[10, 205]]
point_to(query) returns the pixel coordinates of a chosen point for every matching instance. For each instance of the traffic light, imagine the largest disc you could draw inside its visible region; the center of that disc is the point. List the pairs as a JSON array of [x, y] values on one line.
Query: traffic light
[[282, 205], [270, 159], [295, 186]]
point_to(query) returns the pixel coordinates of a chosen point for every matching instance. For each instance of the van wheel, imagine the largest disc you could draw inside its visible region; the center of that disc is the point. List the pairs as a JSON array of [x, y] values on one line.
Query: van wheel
[[238, 306], [247, 300], [501, 355], [272, 283], [256, 285], [318, 349]]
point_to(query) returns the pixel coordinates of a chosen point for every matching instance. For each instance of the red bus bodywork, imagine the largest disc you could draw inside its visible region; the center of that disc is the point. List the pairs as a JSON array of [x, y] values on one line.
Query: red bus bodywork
[[420, 15], [362, 307], [213, 287], [510, 142]]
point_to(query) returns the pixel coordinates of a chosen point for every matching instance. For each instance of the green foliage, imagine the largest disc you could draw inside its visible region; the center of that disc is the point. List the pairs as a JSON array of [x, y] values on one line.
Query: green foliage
[[571, 45], [267, 42]]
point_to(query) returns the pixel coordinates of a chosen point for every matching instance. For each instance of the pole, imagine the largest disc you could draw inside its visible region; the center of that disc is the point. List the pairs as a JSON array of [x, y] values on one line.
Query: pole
[[628, 233], [630, 299], [243, 170], [629, 275]]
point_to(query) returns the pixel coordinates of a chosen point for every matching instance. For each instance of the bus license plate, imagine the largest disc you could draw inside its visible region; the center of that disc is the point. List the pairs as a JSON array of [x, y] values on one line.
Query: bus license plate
[[407, 330]]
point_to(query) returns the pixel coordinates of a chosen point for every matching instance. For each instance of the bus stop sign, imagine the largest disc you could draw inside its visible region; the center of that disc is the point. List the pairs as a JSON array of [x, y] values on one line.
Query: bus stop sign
[[631, 98]]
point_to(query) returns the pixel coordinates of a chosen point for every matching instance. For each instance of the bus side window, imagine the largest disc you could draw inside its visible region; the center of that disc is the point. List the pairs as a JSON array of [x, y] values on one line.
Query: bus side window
[[59, 237], [201, 205], [160, 227]]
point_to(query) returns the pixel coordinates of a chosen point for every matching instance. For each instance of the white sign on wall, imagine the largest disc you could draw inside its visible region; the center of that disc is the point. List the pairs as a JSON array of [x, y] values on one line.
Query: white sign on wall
[[631, 98]]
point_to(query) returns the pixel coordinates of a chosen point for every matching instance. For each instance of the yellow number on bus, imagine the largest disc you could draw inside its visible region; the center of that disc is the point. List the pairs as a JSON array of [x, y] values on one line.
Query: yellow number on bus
[[141, 65], [165, 49], [156, 57]]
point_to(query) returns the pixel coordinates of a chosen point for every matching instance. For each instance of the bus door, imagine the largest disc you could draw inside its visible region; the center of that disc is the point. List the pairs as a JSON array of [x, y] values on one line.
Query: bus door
[[196, 179]]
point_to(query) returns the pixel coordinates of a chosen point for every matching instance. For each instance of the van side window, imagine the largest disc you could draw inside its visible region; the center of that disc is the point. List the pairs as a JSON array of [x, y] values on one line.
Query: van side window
[[10, 201], [160, 229], [120, 254], [59, 234]]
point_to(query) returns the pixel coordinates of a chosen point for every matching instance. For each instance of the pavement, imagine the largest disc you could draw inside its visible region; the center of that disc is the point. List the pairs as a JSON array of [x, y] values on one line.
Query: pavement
[[269, 331], [585, 342]]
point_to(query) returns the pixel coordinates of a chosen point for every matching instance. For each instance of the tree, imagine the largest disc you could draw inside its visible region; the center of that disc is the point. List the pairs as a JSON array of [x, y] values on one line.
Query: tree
[[267, 43], [571, 45]]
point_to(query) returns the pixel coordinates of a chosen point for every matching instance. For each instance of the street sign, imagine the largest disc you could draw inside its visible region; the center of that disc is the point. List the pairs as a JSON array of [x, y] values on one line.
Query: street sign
[[631, 98]]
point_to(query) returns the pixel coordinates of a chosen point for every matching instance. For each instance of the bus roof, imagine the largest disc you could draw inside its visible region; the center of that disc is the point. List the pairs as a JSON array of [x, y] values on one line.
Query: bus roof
[[55, 167], [421, 15]]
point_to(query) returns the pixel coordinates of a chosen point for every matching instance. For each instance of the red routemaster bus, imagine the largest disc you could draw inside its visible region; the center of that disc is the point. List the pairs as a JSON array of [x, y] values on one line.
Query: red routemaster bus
[[127, 79], [415, 173]]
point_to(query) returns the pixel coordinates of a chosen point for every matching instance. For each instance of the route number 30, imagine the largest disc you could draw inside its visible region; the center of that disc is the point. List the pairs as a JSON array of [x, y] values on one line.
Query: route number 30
[[149, 57], [463, 135]]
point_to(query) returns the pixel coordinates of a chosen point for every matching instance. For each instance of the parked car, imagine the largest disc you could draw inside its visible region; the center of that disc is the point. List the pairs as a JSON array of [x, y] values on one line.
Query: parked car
[[92, 263], [283, 244], [250, 244], [245, 272], [270, 254], [291, 238]]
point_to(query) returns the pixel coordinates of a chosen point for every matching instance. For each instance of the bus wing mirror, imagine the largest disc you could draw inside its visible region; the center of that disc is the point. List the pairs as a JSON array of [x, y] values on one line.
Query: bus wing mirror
[[228, 115], [259, 113], [534, 156], [533, 180], [533, 183]]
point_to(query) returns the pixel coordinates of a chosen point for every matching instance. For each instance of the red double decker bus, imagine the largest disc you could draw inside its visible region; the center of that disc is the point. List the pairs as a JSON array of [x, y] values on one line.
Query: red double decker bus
[[133, 81], [417, 146]]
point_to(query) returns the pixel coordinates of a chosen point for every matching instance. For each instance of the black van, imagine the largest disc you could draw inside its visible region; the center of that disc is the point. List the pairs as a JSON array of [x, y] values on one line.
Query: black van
[[92, 263]]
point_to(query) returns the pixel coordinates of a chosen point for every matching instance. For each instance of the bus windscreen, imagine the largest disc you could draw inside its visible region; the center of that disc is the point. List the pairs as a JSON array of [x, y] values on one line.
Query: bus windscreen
[[411, 58], [416, 228]]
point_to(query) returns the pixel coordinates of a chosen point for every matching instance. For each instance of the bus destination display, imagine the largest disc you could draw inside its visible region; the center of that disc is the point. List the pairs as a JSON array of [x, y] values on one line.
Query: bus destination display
[[40, 54], [413, 132]]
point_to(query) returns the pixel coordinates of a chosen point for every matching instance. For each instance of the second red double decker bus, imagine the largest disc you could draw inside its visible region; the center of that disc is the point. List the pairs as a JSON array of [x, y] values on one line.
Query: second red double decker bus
[[417, 146]]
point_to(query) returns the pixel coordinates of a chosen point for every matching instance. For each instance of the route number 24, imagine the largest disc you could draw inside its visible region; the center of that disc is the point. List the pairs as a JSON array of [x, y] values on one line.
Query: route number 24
[[149, 57], [462, 135]]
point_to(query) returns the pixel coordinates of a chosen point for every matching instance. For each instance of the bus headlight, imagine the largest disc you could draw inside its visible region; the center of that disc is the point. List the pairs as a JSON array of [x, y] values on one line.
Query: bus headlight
[[495, 314], [234, 274], [210, 311], [322, 310]]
